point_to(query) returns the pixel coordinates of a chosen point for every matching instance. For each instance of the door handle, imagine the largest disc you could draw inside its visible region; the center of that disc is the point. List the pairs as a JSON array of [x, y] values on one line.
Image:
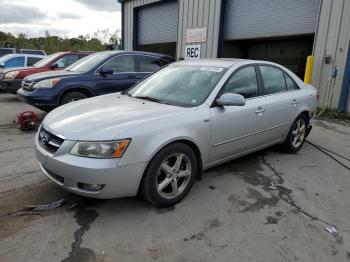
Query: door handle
[[294, 102], [260, 110]]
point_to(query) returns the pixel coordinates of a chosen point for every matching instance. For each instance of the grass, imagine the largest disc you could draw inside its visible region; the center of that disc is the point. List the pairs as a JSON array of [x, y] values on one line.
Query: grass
[[333, 114]]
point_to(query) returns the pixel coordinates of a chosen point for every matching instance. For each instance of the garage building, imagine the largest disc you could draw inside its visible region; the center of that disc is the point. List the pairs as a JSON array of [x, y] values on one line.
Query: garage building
[[282, 31]]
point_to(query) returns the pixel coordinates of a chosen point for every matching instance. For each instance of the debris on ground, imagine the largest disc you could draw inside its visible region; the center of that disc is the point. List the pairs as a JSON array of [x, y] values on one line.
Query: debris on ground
[[211, 187], [45, 207], [332, 230], [271, 220], [273, 186]]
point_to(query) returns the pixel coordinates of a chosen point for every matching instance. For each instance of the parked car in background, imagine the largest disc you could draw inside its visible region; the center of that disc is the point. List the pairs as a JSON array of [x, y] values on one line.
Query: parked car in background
[[11, 79], [19, 60], [156, 138], [7, 50], [98, 74]]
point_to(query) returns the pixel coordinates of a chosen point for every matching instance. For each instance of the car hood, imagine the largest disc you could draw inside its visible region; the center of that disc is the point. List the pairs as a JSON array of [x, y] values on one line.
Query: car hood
[[105, 117], [50, 74]]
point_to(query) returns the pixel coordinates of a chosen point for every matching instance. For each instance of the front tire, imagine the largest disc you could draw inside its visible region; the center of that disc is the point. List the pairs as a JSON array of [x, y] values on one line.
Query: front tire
[[71, 97], [297, 135], [170, 175]]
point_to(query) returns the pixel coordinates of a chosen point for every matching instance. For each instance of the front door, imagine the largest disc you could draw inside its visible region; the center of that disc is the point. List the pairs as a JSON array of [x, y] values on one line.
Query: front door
[[238, 129], [124, 75]]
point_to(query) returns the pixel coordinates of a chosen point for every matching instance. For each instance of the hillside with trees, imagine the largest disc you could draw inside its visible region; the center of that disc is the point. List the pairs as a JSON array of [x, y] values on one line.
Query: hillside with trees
[[51, 44]]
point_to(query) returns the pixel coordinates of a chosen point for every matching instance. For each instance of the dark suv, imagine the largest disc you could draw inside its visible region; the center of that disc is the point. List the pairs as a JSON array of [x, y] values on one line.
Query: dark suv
[[11, 79], [97, 74]]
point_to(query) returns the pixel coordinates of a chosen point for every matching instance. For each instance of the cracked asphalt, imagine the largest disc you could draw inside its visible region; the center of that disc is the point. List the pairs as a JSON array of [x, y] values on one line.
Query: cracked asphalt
[[268, 206]]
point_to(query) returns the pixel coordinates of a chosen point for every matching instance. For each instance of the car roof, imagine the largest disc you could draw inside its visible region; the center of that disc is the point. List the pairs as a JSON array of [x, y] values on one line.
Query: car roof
[[136, 53], [216, 62], [22, 55]]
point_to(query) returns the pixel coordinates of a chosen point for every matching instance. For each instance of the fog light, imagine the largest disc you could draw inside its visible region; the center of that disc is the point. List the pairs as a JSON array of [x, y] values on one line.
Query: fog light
[[90, 187]]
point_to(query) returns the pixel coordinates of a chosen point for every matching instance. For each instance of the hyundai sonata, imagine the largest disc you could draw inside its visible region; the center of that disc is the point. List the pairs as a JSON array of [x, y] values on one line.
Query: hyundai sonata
[[156, 138]]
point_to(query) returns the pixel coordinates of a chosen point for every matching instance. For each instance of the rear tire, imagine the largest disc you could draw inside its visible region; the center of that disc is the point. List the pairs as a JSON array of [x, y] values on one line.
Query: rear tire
[[170, 175], [71, 97], [297, 135]]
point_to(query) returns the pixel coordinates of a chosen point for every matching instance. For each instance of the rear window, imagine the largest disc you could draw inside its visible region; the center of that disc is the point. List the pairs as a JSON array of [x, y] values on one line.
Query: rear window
[[5, 51], [32, 52]]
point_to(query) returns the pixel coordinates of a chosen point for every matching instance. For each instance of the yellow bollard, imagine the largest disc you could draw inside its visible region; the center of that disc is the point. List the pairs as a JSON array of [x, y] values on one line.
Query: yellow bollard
[[308, 69]]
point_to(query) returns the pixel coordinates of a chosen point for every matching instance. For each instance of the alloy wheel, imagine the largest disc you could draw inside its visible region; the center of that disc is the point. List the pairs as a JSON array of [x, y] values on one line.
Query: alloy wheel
[[174, 175], [298, 133]]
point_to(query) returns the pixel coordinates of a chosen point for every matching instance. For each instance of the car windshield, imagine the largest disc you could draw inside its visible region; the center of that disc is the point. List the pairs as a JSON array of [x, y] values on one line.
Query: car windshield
[[180, 85], [87, 63], [4, 58], [46, 60]]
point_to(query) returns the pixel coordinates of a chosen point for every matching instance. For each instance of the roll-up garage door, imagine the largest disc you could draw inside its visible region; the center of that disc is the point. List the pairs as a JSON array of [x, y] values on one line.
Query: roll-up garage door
[[248, 19], [158, 23]]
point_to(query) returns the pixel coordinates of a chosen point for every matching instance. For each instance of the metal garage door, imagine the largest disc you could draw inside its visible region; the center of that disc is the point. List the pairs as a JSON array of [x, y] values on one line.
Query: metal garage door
[[158, 23], [246, 19]]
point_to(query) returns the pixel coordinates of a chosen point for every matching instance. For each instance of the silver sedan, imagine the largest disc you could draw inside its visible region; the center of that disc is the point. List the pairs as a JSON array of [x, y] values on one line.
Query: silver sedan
[[156, 138]]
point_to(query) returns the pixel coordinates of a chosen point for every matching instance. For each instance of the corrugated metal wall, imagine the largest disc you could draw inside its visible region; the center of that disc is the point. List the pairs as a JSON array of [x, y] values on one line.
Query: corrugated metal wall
[[265, 18], [192, 14], [158, 23], [199, 13], [333, 37], [129, 18]]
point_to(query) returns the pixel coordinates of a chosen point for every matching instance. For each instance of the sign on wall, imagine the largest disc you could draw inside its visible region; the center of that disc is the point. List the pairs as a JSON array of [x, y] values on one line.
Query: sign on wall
[[192, 51], [196, 35]]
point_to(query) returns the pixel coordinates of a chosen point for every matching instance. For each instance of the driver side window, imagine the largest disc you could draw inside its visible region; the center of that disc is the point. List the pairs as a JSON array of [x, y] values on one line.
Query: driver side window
[[243, 82], [121, 64]]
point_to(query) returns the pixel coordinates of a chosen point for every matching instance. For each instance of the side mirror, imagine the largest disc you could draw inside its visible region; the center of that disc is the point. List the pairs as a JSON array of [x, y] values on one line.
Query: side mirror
[[54, 66], [230, 99], [106, 71]]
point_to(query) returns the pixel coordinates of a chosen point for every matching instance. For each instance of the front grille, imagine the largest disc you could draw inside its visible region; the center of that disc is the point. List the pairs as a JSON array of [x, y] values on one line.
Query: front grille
[[28, 86], [49, 141]]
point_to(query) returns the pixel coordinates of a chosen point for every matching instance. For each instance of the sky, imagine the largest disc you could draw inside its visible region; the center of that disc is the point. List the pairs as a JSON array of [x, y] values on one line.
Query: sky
[[68, 18]]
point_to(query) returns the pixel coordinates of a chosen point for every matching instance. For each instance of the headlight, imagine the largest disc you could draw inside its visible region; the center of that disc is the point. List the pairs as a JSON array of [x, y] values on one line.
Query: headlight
[[49, 83], [11, 75], [109, 149]]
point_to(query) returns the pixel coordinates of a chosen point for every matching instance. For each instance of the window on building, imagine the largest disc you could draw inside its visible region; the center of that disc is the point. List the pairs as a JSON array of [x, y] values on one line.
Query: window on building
[[243, 82], [273, 79]]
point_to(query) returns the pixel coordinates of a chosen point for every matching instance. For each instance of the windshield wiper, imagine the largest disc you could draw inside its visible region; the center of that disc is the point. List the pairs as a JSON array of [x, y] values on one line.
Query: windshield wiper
[[125, 93], [152, 99]]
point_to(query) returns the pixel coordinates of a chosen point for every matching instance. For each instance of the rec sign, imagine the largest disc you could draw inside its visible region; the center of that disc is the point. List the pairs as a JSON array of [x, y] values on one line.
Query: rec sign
[[192, 52]]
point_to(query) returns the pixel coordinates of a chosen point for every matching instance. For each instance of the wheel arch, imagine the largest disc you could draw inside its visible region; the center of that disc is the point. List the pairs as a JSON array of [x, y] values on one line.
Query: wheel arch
[[82, 89]]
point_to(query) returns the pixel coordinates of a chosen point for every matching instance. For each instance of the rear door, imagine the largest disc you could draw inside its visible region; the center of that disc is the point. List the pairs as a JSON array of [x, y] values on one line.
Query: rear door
[[281, 100], [238, 129]]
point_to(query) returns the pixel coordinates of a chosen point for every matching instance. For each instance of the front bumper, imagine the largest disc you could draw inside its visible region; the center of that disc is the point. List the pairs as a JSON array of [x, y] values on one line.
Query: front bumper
[[40, 98], [10, 86], [70, 172]]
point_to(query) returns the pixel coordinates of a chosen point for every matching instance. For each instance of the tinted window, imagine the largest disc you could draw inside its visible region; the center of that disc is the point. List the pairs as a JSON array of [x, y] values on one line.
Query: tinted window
[[32, 52], [88, 62], [273, 80], [67, 60], [32, 60], [15, 62], [148, 64], [119, 64], [289, 82], [243, 82], [5, 51]]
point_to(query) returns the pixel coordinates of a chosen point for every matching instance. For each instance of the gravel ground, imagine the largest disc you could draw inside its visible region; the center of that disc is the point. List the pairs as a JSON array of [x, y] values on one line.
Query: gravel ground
[[231, 215]]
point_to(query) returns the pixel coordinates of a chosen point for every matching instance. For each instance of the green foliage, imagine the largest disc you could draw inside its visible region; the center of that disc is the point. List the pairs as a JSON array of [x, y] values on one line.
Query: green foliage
[[333, 114], [52, 44]]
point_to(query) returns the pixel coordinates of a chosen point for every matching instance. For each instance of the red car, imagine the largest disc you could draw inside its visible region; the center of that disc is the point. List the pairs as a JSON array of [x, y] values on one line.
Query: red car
[[11, 79]]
